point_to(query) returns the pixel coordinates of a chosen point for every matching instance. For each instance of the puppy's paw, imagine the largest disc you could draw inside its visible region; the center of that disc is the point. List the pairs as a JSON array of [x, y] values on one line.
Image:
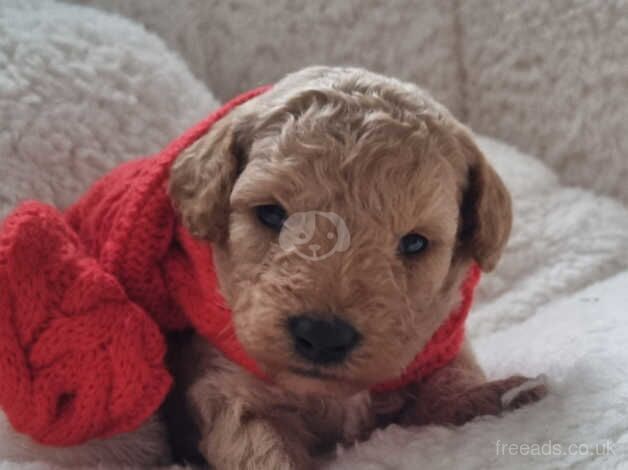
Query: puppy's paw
[[524, 391], [252, 443], [490, 398]]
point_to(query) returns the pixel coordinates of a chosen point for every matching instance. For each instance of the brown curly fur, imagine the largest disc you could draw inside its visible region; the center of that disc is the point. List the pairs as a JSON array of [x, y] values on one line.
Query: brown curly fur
[[387, 159]]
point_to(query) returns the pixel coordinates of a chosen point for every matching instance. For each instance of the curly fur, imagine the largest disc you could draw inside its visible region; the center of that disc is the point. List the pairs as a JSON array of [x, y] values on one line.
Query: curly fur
[[387, 159]]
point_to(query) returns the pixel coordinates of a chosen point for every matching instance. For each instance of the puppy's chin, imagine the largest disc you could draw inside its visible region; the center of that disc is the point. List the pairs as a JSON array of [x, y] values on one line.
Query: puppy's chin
[[310, 383]]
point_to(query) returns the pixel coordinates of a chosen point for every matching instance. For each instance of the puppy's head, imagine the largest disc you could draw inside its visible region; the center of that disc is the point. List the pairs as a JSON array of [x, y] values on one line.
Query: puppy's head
[[344, 209]]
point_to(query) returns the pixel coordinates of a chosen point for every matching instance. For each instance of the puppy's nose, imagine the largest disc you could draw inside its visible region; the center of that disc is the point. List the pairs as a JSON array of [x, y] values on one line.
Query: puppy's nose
[[322, 341]]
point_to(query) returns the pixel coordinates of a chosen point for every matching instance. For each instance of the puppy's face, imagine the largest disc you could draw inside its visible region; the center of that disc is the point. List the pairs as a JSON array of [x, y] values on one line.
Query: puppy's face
[[344, 209]]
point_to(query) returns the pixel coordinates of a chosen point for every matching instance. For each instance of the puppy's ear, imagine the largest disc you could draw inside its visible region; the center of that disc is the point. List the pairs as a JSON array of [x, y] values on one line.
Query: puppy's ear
[[201, 180], [486, 210]]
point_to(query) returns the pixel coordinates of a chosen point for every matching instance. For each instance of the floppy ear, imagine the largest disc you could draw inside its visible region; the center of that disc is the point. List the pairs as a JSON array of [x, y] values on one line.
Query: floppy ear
[[486, 210], [201, 180]]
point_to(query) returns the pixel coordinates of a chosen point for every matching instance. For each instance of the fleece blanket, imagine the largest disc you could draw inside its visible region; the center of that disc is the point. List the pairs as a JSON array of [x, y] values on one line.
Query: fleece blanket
[[75, 100]]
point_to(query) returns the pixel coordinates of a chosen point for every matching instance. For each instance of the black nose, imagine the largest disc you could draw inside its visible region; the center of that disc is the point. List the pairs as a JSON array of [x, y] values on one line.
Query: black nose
[[322, 341]]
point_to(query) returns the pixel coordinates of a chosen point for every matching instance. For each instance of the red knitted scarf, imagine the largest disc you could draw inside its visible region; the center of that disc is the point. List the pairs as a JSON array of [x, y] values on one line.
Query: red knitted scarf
[[87, 295]]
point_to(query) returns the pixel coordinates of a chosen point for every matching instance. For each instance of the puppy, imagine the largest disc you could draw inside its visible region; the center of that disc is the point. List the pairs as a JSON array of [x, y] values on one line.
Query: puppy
[[345, 209]]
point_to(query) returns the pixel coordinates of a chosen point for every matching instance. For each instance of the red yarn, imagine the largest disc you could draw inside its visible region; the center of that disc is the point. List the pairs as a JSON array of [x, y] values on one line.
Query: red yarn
[[85, 294]]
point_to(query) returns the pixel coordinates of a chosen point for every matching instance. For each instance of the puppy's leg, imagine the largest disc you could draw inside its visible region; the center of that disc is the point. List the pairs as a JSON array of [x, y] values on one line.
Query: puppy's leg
[[240, 440], [459, 392], [242, 423]]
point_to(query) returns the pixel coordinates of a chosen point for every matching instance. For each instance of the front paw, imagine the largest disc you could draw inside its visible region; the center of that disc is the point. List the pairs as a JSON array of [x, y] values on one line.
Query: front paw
[[246, 443], [490, 398], [523, 391]]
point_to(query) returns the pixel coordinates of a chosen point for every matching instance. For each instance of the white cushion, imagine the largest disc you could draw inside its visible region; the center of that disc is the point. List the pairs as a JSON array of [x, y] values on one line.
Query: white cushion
[[563, 239], [551, 77], [81, 91]]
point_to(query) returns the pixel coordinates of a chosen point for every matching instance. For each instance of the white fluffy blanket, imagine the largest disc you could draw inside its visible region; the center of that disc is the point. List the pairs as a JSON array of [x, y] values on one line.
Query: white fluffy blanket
[[75, 100]]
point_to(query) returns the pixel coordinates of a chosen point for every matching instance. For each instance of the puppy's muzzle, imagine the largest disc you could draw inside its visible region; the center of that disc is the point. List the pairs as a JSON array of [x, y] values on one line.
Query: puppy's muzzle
[[322, 341]]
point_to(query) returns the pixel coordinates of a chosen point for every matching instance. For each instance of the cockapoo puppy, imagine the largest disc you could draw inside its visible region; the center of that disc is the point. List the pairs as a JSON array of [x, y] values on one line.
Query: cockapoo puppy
[[345, 210]]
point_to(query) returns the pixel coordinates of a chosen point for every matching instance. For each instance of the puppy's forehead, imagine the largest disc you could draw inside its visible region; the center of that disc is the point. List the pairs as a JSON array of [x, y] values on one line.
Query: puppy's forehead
[[402, 183], [329, 139]]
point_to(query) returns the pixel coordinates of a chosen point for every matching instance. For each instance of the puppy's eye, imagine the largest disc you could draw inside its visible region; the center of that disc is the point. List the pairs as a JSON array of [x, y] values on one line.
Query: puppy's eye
[[271, 215], [412, 244]]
